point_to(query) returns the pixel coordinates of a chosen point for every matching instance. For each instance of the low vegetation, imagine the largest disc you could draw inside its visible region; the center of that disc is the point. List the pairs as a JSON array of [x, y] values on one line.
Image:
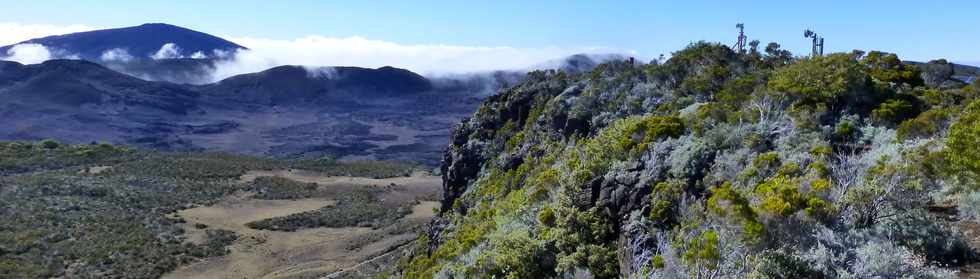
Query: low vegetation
[[356, 208], [713, 164], [103, 211]]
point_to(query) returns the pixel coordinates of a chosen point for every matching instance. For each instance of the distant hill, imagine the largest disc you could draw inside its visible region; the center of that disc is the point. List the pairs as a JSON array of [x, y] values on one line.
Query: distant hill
[[296, 84], [139, 42], [71, 84], [288, 111]]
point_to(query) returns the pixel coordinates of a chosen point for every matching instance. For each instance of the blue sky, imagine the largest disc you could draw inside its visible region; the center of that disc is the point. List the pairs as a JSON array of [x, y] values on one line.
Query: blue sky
[[917, 30]]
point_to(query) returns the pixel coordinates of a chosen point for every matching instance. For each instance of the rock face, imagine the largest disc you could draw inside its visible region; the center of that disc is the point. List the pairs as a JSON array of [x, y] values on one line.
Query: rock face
[[943, 74]]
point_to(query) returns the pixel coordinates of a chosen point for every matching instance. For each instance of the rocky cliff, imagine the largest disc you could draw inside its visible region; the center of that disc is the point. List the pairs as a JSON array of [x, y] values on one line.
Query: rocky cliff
[[712, 164]]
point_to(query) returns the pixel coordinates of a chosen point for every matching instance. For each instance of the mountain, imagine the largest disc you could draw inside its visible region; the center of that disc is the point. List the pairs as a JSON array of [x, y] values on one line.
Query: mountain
[[302, 85], [288, 111], [139, 42], [75, 83], [79, 101]]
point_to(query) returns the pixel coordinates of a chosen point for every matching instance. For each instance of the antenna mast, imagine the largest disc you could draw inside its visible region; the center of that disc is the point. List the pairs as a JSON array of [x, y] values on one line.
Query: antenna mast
[[817, 42], [740, 44]]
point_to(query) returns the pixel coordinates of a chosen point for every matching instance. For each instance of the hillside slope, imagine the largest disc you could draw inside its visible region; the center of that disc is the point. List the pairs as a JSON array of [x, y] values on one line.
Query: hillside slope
[[714, 164]]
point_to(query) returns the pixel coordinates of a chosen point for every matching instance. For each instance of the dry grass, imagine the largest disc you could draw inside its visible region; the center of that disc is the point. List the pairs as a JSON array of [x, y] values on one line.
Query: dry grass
[[305, 253]]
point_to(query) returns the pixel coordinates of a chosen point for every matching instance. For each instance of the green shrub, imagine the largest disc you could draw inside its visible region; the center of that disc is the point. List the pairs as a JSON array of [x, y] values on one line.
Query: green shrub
[[964, 137], [354, 208], [820, 80], [894, 111], [725, 201], [776, 264], [702, 250], [780, 195], [927, 124], [845, 130], [546, 217], [886, 67], [514, 254], [658, 261], [663, 204], [649, 129], [279, 188], [49, 144]]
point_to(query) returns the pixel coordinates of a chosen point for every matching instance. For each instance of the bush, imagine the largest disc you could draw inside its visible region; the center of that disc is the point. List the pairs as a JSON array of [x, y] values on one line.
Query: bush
[[783, 264], [663, 204], [964, 137], [278, 188], [820, 80], [354, 208], [725, 201], [649, 129], [780, 195], [515, 255], [886, 67], [49, 144], [894, 111], [969, 206], [886, 260], [927, 124]]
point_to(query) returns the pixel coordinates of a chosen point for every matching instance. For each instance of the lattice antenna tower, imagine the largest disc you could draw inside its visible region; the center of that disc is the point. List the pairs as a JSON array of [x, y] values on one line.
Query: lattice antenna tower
[[742, 39], [817, 41]]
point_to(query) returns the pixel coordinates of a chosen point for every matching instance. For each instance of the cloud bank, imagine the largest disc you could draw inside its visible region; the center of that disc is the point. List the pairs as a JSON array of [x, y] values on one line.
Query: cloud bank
[[426, 59], [434, 60]]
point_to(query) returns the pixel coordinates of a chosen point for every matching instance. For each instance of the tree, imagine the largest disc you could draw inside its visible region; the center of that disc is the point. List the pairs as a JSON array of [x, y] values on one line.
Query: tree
[[886, 67], [820, 80], [776, 57], [754, 46], [50, 144], [964, 137]]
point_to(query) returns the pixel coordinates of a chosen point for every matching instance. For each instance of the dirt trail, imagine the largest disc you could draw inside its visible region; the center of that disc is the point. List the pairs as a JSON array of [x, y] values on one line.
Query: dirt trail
[[307, 253], [314, 177]]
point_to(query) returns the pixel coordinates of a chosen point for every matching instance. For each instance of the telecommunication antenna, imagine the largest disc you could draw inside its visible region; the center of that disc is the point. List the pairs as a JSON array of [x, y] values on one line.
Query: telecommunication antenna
[[817, 42], [740, 44]]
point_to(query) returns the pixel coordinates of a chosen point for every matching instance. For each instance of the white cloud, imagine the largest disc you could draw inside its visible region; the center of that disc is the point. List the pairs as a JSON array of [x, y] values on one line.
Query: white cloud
[[198, 55], [428, 59], [116, 54], [28, 54], [12, 32], [167, 51], [315, 51]]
